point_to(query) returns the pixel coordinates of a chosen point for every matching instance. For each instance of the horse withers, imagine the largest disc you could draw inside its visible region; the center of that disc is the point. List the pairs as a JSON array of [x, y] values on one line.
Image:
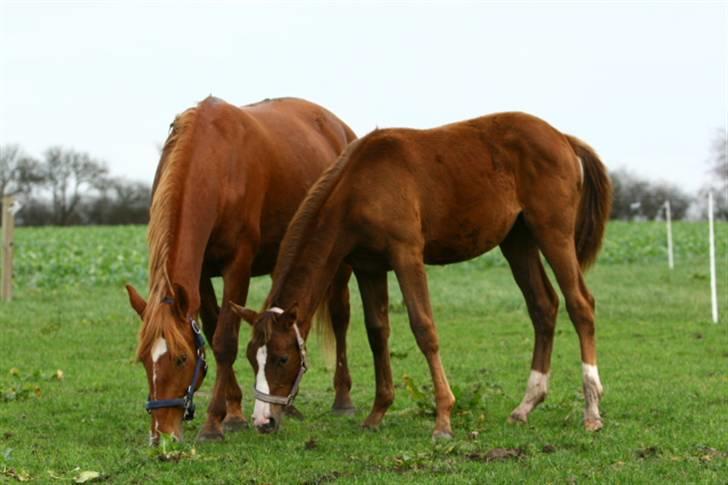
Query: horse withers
[[398, 199], [228, 182]]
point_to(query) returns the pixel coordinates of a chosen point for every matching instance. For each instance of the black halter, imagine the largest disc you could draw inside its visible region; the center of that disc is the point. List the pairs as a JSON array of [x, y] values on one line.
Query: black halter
[[185, 402]]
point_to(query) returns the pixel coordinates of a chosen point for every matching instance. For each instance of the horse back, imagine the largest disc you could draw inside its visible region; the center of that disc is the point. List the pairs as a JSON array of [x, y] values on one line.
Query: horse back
[[458, 189], [246, 170]]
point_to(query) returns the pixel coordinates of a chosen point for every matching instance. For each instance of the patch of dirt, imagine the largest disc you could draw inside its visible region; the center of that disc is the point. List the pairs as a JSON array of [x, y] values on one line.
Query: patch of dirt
[[325, 478], [310, 444], [645, 453], [498, 454], [707, 454], [549, 449]]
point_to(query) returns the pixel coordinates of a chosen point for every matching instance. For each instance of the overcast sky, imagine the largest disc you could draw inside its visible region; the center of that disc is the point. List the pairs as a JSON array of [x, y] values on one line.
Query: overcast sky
[[645, 84]]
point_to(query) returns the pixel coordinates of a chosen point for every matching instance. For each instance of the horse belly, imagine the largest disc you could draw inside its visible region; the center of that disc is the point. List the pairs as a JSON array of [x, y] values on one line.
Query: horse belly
[[464, 238]]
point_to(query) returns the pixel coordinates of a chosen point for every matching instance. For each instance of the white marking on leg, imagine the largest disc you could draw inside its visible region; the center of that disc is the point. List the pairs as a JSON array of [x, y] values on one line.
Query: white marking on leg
[[592, 391], [261, 412], [536, 390]]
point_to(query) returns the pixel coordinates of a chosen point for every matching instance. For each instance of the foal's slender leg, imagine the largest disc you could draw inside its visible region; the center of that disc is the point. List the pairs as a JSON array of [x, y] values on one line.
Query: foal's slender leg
[[225, 412], [375, 300], [410, 269], [520, 250], [561, 255], [339, 311]]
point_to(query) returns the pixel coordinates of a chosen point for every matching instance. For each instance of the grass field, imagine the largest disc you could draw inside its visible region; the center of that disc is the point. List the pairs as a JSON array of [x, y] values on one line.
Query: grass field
[[71, 394]]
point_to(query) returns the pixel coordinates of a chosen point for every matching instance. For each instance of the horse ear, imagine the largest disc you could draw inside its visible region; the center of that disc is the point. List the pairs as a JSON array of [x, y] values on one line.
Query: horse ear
[[181, 300], [292, 314], [136, 301], [245, 313]]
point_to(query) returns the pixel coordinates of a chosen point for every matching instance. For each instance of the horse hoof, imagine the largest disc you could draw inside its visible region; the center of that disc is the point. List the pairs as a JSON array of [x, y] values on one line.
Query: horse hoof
[[593, 425], [370, 426], [293, 413], [517, 419], [349, 411], [234, 424], [206, 436], [442, 435]]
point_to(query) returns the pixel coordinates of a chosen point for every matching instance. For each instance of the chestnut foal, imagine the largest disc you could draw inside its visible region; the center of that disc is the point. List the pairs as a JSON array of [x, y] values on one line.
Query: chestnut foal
[[398, 199]]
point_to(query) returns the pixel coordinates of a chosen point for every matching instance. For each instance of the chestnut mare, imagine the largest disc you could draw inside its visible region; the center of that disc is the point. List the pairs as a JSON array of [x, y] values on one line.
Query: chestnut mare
[[228, 182], [398, 199]]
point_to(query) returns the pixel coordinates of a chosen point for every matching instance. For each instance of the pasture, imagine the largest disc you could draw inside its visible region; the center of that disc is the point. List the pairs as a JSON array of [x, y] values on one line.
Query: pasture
[[71, 394]]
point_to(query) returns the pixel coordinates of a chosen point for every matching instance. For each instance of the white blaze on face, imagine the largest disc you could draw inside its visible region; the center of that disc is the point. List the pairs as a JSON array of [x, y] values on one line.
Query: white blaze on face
[[158, 350], [261, 412]]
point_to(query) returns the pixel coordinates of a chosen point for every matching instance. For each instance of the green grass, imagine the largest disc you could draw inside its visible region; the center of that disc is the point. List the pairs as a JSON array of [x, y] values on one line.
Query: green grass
[[664, 366]]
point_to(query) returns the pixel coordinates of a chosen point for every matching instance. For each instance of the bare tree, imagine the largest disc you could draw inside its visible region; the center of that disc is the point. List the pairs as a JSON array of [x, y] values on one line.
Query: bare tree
[[719, 174], [18, 171], [119, 201], [636, 197], [68, 175]]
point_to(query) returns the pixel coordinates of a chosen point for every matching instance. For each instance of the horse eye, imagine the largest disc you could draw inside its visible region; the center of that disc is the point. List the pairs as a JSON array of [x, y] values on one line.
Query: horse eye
[[282, 361], [181, 360]]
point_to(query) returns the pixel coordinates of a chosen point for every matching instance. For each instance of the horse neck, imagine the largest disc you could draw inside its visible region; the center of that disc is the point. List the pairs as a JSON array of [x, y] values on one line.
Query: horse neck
[[191, 222], [306, 281]]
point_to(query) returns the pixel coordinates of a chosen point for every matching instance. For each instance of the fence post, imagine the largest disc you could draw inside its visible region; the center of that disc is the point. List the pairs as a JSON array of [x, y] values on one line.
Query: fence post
[[8, 229], [711, 242], [668, 218]]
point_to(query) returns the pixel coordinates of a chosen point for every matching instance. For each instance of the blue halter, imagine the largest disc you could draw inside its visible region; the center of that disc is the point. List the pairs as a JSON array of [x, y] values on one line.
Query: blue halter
[[185, 402]]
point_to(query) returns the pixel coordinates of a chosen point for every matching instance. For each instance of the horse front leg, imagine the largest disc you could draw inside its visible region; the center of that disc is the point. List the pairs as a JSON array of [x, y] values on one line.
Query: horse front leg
[[225, 412], [410, 270], [375, 301], [340, 313]]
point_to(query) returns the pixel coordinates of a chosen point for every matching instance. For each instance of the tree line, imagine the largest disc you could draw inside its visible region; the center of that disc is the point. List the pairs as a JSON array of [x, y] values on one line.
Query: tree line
[[67, 187], [638, 198]]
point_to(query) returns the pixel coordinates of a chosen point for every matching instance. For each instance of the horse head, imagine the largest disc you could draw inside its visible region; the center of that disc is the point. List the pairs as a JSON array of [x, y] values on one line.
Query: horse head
[[277, 354], [171, 348]]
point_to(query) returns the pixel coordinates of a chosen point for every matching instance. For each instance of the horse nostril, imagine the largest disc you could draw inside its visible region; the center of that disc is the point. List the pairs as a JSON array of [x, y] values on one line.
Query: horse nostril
[[268, 426]]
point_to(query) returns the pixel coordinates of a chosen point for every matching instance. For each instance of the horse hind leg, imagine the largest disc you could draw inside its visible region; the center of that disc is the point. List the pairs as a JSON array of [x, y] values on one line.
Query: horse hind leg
[[522, 255], [340, 313], [559, 249]]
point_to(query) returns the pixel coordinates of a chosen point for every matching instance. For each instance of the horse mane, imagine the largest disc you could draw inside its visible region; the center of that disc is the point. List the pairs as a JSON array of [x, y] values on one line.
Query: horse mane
[[160, 318], [304, 217]]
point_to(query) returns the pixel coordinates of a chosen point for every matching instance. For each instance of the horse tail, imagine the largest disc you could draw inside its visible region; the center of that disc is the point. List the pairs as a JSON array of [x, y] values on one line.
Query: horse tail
[[595, 205], [324, 328]]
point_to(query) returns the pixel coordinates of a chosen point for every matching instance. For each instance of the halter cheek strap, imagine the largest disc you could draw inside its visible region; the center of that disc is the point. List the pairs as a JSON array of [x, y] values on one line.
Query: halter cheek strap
[[287, 401], [186, 402]]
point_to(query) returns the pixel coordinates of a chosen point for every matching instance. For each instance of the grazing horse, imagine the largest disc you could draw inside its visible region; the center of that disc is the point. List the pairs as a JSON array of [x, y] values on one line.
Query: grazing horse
[[398, 199], [228, 182]]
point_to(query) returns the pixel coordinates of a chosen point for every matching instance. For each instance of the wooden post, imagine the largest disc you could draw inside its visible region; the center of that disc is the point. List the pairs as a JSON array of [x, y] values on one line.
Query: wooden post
[[8, 236]]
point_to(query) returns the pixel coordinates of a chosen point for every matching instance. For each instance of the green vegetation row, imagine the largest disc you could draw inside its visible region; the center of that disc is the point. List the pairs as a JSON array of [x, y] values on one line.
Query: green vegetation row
[[53, 257]]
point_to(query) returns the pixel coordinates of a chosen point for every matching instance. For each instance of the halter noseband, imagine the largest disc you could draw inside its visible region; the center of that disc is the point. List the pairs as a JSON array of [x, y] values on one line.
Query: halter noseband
[[185, 402], [287, 401]]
